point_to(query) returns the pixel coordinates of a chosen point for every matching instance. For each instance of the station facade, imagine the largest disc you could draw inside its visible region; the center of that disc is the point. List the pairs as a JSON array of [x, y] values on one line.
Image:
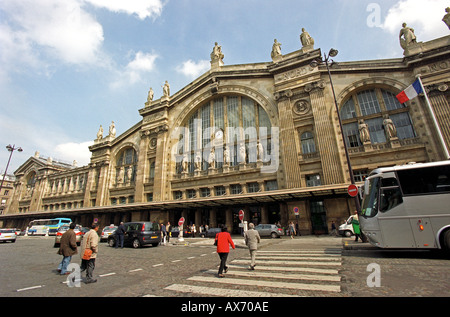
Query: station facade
[[264, 138]]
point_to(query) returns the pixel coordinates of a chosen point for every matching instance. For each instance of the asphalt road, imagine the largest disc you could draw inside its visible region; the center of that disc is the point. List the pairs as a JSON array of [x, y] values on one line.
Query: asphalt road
[[306, 266]]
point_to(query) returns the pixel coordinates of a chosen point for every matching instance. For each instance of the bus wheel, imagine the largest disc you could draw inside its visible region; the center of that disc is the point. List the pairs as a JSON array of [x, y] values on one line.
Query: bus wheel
[[447, 240]]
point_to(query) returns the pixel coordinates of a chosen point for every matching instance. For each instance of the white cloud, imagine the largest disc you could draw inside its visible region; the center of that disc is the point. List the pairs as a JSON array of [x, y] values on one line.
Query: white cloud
[[193, 69], [132, 73], [36, 29], [425, 17], [142, 8], [71, 151]]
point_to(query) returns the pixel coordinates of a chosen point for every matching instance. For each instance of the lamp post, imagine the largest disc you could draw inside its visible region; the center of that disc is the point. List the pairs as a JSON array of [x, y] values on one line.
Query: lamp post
[[326, 60], [11, 148]]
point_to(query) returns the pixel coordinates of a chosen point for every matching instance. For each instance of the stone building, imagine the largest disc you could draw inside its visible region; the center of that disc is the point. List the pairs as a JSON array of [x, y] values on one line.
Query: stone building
[[263, 137]]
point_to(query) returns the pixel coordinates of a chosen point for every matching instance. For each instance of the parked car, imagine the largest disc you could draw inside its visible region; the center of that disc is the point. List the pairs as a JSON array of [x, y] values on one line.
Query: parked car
[[138, 234], [211, 232], [267, 230], [106, 232], [175, 232], [7, 235], [346, 229], [63, 229]]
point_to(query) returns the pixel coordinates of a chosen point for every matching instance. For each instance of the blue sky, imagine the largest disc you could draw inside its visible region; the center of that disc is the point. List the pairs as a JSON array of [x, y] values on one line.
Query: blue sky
[[67, 67]]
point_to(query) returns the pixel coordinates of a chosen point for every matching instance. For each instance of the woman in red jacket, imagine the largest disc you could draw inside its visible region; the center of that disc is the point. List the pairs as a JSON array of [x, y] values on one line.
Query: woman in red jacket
[[223, 242]]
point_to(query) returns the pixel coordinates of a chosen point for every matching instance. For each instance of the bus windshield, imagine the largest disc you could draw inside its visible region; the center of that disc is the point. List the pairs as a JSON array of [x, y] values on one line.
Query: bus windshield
[[369, 206]]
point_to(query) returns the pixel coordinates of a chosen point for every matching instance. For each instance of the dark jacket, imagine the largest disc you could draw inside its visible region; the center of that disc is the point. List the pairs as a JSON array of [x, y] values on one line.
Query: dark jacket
[[68, 245]]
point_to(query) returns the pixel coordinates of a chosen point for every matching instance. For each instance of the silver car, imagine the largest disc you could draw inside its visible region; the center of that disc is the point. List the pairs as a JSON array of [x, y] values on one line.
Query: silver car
[[7, 235], [267, 230], [106, 232], [63, 229]]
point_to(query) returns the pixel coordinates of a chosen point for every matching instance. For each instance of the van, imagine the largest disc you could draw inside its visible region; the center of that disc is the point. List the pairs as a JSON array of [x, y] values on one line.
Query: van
[[138, 234], [346, 229]]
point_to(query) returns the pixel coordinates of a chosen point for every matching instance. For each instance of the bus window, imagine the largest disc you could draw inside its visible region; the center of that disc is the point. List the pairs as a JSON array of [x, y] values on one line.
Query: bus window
[[427, 180], [390, 198], [370, 202]]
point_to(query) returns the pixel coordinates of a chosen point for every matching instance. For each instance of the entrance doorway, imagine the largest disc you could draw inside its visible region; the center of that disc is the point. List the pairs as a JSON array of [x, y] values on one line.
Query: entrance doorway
[[318, 217]]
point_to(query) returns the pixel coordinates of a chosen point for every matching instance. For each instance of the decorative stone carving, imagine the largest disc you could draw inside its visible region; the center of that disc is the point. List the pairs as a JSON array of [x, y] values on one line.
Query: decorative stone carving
[[446, 18], [364, 134], [100, 133], [217, 56], [150, 96], [307, 41], [112, 130], [389, 128], [407, 36], [301, 107], [166, 90], [276, 51]]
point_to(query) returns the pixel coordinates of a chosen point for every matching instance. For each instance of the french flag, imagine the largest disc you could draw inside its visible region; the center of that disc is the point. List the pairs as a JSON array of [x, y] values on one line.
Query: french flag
[[411, 92]]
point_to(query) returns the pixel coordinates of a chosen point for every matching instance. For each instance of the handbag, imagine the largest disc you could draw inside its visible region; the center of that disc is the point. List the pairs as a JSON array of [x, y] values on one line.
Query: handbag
[[87, 252]]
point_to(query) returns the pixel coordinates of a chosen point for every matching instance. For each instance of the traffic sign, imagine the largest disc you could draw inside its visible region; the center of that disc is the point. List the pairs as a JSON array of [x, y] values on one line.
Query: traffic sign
[[296, 211], [181, 221], [241, 215], [352, 190]]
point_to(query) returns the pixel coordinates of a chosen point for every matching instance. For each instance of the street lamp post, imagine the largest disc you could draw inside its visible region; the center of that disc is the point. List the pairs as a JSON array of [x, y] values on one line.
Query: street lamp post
[[326, 60], [11, 148]]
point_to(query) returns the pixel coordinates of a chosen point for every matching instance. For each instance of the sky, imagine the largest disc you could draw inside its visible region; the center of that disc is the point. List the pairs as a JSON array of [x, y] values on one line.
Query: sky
[[67, 67]]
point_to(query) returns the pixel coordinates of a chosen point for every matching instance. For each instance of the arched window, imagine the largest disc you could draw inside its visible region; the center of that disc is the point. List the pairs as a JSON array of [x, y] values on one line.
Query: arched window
[[372, 107], [126, 164], [308, 144], [218, 132]]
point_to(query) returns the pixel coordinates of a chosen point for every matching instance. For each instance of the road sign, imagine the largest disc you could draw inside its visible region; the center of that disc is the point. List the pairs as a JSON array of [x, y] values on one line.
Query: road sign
[[352, 190], [241, 215], [181, 221], [296, 211]]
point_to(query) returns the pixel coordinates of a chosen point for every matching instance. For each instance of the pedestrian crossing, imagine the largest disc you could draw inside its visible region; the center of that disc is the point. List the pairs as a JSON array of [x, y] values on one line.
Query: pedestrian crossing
[[278, 273]]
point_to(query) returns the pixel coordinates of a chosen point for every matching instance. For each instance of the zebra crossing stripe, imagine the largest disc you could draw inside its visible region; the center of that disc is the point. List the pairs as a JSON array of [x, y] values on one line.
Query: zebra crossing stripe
[[300, 258], [297, 286], [307, 277], [290, 262], [223, 292], [287, 269]]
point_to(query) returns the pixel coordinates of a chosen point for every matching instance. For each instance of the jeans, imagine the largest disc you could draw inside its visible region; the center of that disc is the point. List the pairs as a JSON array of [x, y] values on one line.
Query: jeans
[[64, 263], [119, 240]]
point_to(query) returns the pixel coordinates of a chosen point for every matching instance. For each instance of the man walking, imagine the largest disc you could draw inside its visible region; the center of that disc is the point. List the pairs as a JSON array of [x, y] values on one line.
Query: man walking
[[252, 239], [67, 248], [90, 241]]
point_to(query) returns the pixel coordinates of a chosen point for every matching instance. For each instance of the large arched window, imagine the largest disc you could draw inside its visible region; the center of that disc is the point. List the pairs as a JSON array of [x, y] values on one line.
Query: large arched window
[[126, 164], [227, 130], [373, 108]]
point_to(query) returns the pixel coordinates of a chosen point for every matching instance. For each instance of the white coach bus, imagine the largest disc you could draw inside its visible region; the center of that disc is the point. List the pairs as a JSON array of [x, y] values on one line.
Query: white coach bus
[[408, 206]]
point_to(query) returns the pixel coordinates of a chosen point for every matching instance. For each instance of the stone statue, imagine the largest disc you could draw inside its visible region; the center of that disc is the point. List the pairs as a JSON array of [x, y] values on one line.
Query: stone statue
[[120, 177], [407, 36], [364, 134], [212, 158], [217, 54], [446, 18], [276, 49], [259, 151], [198, 161], [242, 153], [150, 95], [100, 133], [184, 163], [389, 128], [306, 39], [129, 174], [226, 156], [112, 130], [166, 89]]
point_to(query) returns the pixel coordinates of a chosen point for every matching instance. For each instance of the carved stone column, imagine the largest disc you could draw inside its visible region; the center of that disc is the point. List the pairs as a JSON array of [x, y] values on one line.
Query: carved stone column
[[288, 147], [325, 135]]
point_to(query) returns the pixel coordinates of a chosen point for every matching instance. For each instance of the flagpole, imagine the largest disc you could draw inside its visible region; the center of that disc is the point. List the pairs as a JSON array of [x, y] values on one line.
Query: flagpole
[[433, 116]]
